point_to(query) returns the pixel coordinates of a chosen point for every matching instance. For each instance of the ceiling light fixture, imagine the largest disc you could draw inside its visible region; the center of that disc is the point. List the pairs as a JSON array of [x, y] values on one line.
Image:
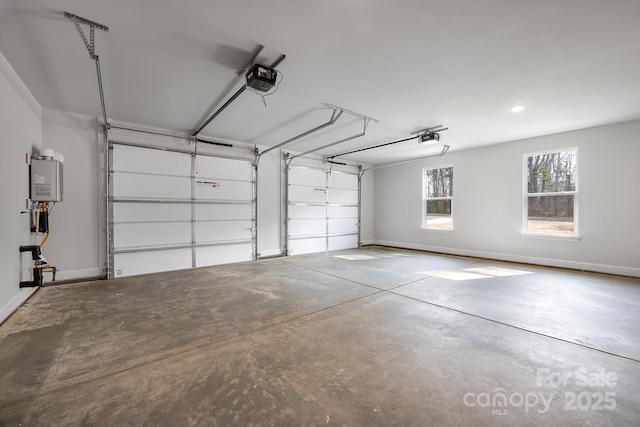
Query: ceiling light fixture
[[517, 108]]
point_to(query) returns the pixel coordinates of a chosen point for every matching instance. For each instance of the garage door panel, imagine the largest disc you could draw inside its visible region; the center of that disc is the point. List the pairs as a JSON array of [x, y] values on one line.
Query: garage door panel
[[141, 235], [144, 187], [343, 225], [303, 194], [342, 197], [225, 254], [343, 180], [307, 227], [223, 190], [219, 168], [342, 242], [222, 231], [307, 176], [149, 212], [307, 246], [147, 161], [342, 212], [223, 212], [307, 212], [130, 264]]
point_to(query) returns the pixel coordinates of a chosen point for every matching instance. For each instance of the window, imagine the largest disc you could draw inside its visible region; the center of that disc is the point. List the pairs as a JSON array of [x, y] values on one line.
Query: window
[[551, 193], [438, 198]]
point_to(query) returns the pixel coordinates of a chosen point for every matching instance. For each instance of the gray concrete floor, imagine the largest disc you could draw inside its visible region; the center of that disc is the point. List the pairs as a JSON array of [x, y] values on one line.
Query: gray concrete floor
[[358, 337]]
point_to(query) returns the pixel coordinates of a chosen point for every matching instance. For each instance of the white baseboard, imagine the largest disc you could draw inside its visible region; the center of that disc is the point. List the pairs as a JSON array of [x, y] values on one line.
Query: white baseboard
[[549, 262], [368, 242], [15, 302], [61, 275]]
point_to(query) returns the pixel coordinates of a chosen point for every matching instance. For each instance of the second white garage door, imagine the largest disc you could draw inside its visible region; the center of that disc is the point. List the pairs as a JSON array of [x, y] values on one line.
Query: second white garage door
[[322, 210]]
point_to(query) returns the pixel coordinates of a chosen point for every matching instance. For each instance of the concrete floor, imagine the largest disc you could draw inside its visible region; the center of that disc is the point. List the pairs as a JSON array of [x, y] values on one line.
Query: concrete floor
[[351, 338]]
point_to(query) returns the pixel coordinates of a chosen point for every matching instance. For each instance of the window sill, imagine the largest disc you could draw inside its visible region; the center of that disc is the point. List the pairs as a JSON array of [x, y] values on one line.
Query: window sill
[[440, 230], [546, 236]]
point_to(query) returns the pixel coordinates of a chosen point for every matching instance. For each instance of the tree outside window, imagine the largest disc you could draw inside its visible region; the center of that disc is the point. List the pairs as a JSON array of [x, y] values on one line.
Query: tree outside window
[[551, 192], [438, 198]]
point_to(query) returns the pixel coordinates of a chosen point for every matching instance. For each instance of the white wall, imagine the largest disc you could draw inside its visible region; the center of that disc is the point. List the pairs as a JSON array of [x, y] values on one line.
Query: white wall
[[367, 207], [73, 243], [269, 204], [488, 204], [20, 125]]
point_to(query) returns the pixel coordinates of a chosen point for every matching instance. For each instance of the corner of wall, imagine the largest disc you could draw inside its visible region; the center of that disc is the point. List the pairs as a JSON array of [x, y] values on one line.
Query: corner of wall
[[21, 122]]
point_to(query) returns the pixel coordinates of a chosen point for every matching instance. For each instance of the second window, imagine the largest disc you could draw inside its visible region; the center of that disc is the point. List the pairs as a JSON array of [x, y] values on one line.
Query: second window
[[438, 198]]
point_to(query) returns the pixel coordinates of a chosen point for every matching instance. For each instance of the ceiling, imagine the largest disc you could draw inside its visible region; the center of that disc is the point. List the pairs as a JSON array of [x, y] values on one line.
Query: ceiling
[[410, 64]]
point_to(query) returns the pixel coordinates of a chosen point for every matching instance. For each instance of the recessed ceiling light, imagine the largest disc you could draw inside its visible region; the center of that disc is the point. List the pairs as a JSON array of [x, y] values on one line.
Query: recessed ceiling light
[[517, 108]]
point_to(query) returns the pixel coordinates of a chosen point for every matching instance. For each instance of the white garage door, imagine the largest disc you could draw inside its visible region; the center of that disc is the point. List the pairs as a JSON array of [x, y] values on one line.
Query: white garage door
[[172, 210], [322, 210]]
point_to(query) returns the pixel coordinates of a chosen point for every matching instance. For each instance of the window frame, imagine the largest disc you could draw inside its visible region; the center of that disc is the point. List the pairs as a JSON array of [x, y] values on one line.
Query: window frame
[[424, 225], [526, 195]]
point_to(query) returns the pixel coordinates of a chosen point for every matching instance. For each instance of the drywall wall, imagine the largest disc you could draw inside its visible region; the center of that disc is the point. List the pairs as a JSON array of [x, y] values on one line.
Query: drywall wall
[[20, 118], [488, 202], [73, 223], [270, 204], [367, 207]]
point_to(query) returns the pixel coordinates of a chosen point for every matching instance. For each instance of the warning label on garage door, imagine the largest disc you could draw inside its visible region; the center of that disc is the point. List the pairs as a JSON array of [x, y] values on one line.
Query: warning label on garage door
[[210, 184]]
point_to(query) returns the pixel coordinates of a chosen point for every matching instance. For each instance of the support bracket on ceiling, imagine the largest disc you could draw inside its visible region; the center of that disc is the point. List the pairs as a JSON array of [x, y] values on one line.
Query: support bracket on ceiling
[[365, 120], [334, 118], [337, 112], [353, 113], [438, 128], [90, 44]]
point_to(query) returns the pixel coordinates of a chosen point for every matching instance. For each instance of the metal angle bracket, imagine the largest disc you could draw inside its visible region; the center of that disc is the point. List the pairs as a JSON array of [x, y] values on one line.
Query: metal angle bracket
[[438, 128], [349, 138], [90, 44], [353, 113], [428, 134], [334, 118]]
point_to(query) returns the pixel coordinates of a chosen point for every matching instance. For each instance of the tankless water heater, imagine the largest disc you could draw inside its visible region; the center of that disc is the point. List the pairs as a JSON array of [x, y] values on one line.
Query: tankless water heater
[[46, 180]]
